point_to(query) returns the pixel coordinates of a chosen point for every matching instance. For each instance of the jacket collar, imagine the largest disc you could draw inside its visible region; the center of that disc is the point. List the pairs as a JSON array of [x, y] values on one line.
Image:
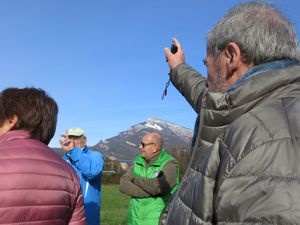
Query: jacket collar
[[153, 161], [280, 64], [220, 109], [14, 134]]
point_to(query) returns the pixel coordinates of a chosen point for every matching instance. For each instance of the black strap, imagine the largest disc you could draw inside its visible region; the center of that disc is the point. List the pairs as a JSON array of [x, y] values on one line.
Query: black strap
[[165, 92]]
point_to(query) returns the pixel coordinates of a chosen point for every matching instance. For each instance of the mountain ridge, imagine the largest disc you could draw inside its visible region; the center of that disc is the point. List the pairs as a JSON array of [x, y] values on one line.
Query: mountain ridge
[[125, 145]]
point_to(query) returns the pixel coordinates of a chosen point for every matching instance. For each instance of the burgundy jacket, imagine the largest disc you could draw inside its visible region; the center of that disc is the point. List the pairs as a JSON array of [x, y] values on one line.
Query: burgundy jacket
[[36, 186]]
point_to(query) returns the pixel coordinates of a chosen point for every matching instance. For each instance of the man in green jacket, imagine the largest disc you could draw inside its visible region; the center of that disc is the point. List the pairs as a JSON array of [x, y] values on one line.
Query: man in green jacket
[[150, 182]]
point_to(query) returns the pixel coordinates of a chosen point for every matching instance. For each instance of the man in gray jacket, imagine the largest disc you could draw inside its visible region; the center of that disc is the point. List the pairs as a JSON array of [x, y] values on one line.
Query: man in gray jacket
[[244, 167]]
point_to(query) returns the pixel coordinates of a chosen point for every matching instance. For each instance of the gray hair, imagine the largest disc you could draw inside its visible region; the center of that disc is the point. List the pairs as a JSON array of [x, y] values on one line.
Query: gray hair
[[259, 29]]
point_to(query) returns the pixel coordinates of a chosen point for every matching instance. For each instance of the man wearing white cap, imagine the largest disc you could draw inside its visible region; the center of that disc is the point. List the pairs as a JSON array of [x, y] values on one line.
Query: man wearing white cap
[[89, 165]]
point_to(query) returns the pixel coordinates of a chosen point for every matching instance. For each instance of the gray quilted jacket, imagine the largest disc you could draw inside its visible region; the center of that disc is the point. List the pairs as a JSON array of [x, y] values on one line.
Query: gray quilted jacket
[[248, 143]]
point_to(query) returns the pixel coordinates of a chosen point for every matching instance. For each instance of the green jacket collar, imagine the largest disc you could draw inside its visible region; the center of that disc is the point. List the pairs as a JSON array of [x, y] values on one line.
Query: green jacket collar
[[155, 161]]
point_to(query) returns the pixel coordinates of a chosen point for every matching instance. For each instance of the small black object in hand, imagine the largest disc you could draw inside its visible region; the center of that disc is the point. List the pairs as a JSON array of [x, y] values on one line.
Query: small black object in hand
[[174, 49]]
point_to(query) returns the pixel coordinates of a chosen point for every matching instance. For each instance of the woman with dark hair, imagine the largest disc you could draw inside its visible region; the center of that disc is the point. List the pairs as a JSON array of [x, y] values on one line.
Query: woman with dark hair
[[37, 187]]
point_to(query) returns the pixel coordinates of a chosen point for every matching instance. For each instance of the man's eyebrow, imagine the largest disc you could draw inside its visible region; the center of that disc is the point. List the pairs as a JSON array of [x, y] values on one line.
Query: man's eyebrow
[[204, 62]]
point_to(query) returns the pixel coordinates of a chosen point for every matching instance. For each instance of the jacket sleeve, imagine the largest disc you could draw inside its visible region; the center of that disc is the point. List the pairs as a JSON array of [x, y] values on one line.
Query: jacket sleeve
[[78, 215], [129, 188], [190, 84], [163, 183], [90, 165]]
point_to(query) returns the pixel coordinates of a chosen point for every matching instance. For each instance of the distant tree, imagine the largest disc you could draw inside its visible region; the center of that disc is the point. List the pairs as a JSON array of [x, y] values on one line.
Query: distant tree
[[112, 171]]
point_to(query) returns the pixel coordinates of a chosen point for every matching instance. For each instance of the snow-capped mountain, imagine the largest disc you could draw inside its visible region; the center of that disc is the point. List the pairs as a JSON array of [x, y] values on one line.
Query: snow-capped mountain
[[125, 145]]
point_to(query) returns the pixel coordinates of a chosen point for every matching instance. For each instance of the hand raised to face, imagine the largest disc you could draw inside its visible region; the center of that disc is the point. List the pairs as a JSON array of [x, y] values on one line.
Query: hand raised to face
[[66, 143]]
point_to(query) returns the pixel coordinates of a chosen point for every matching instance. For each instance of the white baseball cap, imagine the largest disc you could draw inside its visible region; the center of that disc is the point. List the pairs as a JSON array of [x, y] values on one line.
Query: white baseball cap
[[76, 132]]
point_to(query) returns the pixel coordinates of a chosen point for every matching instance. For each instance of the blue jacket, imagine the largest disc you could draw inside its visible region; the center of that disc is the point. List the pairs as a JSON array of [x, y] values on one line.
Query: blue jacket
[[89, 165]]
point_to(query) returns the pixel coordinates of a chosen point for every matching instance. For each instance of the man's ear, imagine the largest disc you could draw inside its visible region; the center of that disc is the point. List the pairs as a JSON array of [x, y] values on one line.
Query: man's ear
[[155, 149], [12, 122], [84, 141], [233, 60], [233, 56]]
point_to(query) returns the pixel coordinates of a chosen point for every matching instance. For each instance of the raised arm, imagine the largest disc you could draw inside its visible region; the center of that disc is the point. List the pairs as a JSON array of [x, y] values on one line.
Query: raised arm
[[90, 164], [187, 80]]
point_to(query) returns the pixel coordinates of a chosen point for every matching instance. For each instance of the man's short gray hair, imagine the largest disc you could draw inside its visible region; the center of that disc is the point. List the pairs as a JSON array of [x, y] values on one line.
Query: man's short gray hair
[[259, 29]]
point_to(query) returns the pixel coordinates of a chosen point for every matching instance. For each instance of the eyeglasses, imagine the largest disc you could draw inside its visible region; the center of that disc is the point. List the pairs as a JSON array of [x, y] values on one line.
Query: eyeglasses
[[146, 144], [74, 137]]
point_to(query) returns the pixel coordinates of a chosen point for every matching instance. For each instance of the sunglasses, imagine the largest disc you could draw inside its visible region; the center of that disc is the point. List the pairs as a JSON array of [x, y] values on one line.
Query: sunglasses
[[146, 144], [74, 137]]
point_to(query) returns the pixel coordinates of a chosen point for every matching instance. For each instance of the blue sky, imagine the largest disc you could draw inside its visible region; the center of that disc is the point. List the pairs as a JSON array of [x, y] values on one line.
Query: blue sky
[[103, 61]]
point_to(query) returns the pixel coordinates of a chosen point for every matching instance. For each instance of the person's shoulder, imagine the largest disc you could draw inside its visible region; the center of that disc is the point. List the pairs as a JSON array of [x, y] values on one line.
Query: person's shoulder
[[139, 159], [265, 118], [170, 157], [172, 162], [93, 152], [265, 123]]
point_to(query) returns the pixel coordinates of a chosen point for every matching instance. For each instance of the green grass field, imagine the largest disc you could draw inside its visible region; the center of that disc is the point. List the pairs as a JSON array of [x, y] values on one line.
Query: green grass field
[[114, 206]]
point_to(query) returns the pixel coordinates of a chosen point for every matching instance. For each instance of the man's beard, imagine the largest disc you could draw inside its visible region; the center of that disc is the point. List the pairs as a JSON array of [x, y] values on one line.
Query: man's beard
[[219, 84]]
